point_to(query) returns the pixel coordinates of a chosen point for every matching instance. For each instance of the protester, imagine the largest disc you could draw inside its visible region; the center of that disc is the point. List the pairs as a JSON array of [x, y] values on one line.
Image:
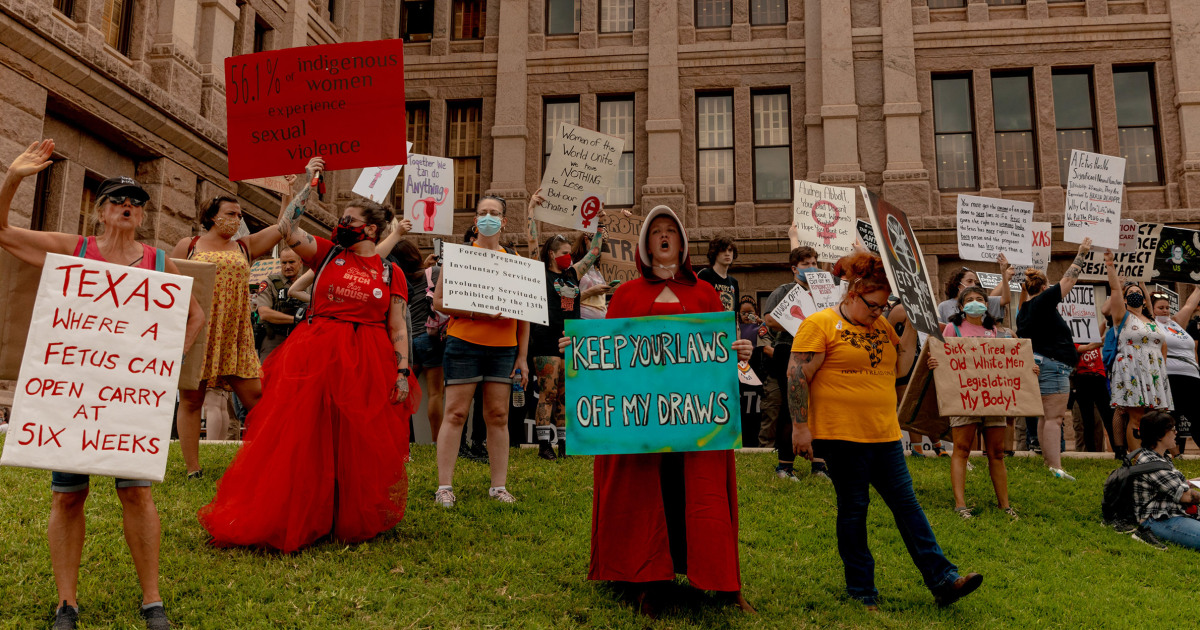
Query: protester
[[842, 395], [1091, 390], [276, 309], [326, 448], [483, 348], [120, 210], [1139, 372], [750, 325], [1183, 373], [1053, 352], [722, 251], [998, 300], [973, 320], [1163, 501], [593, 289], [427, 327]]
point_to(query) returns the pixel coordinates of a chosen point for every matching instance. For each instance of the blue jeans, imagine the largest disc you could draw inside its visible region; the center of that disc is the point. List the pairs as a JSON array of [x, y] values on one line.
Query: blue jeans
[[1054, 377], [1181, 530], [855, 467]]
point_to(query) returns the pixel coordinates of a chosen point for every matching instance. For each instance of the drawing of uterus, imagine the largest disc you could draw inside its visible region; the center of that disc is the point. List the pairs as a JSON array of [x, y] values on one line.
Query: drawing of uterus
[[428, 208]]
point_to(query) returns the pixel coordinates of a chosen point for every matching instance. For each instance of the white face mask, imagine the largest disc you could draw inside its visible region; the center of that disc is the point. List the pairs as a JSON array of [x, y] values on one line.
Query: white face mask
[[1163, 319]]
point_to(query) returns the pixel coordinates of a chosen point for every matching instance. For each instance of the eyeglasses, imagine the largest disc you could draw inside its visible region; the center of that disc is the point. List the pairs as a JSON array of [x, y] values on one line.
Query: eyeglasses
[[120, 201], [874, 308]]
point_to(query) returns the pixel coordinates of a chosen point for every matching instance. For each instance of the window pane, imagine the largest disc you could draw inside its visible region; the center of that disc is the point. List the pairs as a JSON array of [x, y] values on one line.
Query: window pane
[[559, 113], [713, 13], [417, 126], [956, 161], [1133, 98], [952, 105], [468, 19], [1016, 162], [621, 194], [772, 173], [616, 119], [1000, 3], [716, 175], [416, 21], [1010, 102], [466, 183], [464, 136], [616, 16], [1069, 139], [65, 7], [112, 22], [562, 17], [768, 12], [1073, 100], [770, 115], [947, 4], [714, 122], [1141, 155]]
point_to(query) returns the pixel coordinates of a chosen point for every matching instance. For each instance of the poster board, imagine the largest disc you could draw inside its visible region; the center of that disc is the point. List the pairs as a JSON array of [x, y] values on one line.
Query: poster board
[[486, 281], [918, 410], [375, 183], [429, 194], [1095, 184], [824, 219], [977, 376], [1078, 309], [1040, 239], [866, 234], [825, 292], [260, 273], [904, 263], [793, 309], [96, 392], [618, 258], [652, 385], [990, 281], [204, 278], [1177, 256], [989, 227], [1172, 297], [581, 168], [277, 184], [1136, 266]]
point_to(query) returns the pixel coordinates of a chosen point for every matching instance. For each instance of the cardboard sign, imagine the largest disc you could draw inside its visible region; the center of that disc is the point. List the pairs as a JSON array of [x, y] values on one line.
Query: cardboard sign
[[793, 309], [274, 184], [1177, 257], [652, 385], [990, 281], [487, 281], [581, 168], [866, 234], [976, 376], [918, 406], [1135, 266], [1172, 297], [1039, 237], [260, 273], [1127, 240], [825, 293], [96, 392], [1078, 309], [375, 183], [1095, 184], [429, 194], [746, 375], [904, 263], [342, 102], [204, 277], [618, 257], [824, 218], [989, 227]]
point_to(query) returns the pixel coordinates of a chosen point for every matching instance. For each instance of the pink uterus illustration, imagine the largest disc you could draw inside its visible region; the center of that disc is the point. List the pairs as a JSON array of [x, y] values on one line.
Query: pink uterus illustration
[[428, 208]]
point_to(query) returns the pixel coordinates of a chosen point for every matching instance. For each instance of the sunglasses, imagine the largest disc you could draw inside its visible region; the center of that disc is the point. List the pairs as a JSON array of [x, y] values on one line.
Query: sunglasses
[[120, 201]]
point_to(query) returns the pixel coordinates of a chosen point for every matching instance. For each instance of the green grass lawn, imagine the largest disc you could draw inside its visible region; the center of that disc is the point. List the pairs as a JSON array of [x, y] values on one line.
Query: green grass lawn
[[484, 564]]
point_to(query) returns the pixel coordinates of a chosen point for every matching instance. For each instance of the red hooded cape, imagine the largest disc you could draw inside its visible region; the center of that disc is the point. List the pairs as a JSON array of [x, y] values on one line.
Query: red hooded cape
[[657, 514]]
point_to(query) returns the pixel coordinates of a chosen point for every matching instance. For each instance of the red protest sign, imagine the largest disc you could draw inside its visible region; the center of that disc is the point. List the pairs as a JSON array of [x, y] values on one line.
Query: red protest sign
[[343, 102]]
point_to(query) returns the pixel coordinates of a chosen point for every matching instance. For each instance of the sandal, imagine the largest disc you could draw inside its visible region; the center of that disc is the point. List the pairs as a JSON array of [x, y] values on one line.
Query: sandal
[[1012, 513], [964, 513]]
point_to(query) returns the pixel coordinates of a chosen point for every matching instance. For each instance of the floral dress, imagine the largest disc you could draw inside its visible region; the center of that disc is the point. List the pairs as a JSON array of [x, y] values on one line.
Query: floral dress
[[1139, 373], [230, 349]]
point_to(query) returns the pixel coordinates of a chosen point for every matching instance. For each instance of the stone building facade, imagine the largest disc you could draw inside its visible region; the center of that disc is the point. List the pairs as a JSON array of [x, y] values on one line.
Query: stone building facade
[[721, 102]]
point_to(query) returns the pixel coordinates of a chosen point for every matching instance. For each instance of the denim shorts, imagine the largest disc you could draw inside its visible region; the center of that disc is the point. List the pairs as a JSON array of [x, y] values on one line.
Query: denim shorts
[[466, 362], [427, 350], [72, 482], [1054, 377]]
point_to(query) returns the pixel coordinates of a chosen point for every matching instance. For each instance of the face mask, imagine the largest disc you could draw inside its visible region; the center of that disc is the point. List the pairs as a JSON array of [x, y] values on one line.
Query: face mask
[[800, 271], [347, 235], [489, 225], [975, 309], [225, 226], [1136, 300], [1162, 319], [563, 262]]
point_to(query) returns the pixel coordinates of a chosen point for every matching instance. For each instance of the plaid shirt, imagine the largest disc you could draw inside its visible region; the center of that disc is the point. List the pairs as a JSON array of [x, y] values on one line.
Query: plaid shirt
[[1156, 494]]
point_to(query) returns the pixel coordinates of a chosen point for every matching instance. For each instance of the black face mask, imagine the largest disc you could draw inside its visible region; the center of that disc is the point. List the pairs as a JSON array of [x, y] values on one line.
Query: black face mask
[[1136, 300], [347, 235]]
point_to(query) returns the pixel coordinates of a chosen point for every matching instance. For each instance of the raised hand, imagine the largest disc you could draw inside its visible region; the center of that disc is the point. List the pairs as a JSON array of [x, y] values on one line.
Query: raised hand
[[34, 160]]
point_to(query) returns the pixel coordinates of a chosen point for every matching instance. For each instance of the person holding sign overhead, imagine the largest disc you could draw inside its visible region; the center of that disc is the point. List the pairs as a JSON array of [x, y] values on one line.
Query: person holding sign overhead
[[326, 447], [120, 209], [842, 395], [964, 278], [1183, 373]]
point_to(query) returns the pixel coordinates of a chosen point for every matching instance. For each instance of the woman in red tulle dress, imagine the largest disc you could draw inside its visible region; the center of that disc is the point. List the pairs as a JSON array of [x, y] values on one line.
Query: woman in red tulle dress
[[327, 445]]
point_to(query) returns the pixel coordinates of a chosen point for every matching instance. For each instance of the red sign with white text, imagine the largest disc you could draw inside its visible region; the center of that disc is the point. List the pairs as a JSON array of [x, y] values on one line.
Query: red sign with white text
[[341, 102]]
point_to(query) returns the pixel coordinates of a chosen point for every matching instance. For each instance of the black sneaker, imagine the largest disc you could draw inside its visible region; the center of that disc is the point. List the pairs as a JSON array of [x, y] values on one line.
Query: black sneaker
[[546, 451], [156, 618], [1124, 527], [960, 588], [478, 453], [1145, 535], [66, 618]]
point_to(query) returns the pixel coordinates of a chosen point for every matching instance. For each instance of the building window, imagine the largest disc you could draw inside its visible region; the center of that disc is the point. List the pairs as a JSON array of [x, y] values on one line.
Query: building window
[[1074, 116], [464, 144], [714, 147], [1002, 3], [41, 199], [331, 6], [562, 17], [954, 132], [616, 119], [556, 111], [416, 21], [65, 7], [772, 146], [947, 4], [616, 16], [114, 24], [262, 33], [1137, 125], [1012, 109], [713, 13], [763, 12], [468, 21], [416, 119]]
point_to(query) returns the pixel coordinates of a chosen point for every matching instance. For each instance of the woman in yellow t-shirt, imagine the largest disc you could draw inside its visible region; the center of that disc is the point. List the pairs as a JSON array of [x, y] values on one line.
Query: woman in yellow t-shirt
[[842, 395]]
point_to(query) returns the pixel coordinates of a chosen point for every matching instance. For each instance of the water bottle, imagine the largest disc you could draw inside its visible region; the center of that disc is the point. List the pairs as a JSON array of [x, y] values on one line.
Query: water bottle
[[518, 399]]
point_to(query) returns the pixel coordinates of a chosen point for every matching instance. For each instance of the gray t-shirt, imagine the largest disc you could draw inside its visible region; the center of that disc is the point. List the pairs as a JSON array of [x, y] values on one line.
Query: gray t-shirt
[[950, 307]]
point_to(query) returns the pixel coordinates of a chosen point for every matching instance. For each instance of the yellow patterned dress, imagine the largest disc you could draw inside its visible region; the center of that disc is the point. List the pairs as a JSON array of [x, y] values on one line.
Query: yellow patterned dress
[[230, 336]]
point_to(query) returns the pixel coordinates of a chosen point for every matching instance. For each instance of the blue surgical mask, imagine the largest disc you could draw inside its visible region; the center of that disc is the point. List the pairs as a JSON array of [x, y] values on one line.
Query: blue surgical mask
[[488, 225], [800, 271], [975, 309]]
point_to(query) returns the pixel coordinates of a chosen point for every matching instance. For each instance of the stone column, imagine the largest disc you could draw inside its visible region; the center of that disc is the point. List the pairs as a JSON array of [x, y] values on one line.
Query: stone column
[[985, 134], [739, 30], [977, 11], [172, 205], [839, 111], [664, 185], [509, 133], [589, 23], [172, 57], [905, 178], [1053, 194], [1185, 37], [814, 132], [218, 19], [295, 25]]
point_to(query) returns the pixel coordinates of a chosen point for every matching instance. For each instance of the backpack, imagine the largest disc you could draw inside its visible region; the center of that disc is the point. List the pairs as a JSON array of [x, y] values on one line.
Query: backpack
[[1112, 338], [1117, 504]]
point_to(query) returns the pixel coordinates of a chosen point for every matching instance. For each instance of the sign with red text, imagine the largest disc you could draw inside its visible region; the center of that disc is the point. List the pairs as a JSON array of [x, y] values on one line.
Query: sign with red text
[[429, 194], [1078, 309], [825, 292], [1095, 184], [1040, 239], [341, 102], [824, 218], [581, 168], [792, 310], [977, 376], [96, 392]]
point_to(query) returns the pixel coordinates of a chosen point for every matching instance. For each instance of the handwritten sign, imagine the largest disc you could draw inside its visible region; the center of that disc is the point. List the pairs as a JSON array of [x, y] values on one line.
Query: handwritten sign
[[375, 183], [824, 218], [1127, 239], [96, 392], [976, 376], [990, 281], [342, 102], [989, 227], [825, 293], [746, 375], [260, 273], [652, 385], [618, 256], [1137, 265], [1039, 237], [1177, 257], [1094, 187], [867, 235], [1078, 309], [487, 281], [792, 310], [274, 184], [904, 263], [581, 168], [429, 194]]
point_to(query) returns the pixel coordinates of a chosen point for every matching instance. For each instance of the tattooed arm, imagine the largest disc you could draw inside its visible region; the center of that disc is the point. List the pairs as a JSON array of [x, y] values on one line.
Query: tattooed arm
[[590, 258], [1116, 302], [802, 367], [398, 333], [1071, 275], [289, 220]]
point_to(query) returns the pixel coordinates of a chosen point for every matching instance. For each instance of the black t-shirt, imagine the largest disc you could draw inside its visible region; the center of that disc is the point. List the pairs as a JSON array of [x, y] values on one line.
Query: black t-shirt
[[1039, 321], [562, 302], [727, 288]]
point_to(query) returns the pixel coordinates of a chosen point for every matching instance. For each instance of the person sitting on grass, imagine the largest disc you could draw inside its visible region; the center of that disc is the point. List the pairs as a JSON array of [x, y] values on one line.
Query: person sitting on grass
[[1164, 503]]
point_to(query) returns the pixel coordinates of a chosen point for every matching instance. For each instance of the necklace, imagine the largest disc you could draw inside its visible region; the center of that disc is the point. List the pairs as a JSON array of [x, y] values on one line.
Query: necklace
[[850, 321]]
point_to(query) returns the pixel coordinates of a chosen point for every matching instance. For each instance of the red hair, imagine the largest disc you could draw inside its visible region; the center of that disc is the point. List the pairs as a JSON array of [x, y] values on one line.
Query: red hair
[[864, 272]]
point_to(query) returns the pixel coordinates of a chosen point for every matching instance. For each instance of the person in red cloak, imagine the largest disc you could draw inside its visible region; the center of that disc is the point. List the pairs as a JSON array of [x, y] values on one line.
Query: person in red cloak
[[655, 515]]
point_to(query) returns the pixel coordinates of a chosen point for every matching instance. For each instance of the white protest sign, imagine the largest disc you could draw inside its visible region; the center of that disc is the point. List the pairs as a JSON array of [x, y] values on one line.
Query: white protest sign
[[793, 309], [989, 227], [1172, 297], [990, 281], [822, 289], [1039, 237], [376, 182], [96, 392], [1128, 239], [1078, 309], [488, 281], [1094, 187], [824, 218], [429, 194], [276, 184], [581, 168]]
